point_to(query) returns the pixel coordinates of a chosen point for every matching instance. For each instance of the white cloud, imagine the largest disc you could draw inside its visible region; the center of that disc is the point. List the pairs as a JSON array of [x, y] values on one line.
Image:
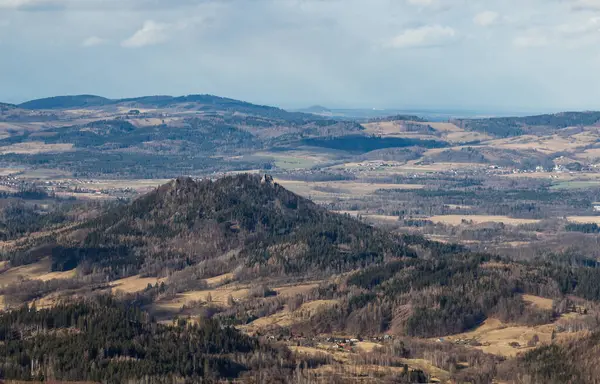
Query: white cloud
[[486, 18], [580, 28], [423, 3], [532, 40], [151, 33], [93, 41], [585, 4], [31, 4], [426, 36]]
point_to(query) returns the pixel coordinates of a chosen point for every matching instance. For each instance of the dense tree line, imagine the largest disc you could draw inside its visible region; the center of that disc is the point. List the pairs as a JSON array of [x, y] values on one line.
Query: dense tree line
[[112, 341]]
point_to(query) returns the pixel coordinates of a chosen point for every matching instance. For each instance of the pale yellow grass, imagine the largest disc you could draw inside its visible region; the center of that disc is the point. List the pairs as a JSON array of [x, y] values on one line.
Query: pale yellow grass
[[589, 154], [134, 284], [9, 171], [415, 166], [286, 317], [584, 219], [478, 219], [463, 137], [495, 337], [10, 244], [48, 301], [445, 127], [220, 295], [367, 346], [429, 368], [557, 176], [341, 189], [58, 275], [393, 129], [546, 144], [347, 365], [217, 280], [136, 184], [44, 174], [291, 290], [37, 271], [217, 296], [35, 147], [540, 302], [371, 217], [86, 195]]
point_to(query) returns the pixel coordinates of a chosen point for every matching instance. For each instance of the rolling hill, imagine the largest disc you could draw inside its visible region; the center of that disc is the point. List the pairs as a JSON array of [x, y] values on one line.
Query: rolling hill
[[540, 124], [187, 222]]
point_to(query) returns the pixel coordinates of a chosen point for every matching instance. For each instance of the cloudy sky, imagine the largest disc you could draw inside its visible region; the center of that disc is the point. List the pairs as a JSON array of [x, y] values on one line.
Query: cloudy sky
[[470, 54]]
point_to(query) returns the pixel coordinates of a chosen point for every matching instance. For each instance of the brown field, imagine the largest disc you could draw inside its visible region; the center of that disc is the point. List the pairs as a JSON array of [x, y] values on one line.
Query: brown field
[[296, 289], [10, 171], [218, 280], [8, 244], [346, 366], [286, 318], [371, 217], [35, 147], [445, 131], [37, 271], [414, 166], [141, 184], [584, 219], [478, 219], [367, 346], [221, 294], [540, 302], [218, 296], [392, 129], [495, 337], [85, 195], [546, 144], [133, 284], [589, 154], [339, 189], [465, 137], [44, 174]]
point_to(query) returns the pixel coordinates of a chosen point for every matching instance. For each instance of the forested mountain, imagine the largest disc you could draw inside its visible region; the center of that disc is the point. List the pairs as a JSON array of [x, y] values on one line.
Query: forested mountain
[[189, 102], [64, 102], [258, 233], [540, 124], [110, 341], [186, 222]]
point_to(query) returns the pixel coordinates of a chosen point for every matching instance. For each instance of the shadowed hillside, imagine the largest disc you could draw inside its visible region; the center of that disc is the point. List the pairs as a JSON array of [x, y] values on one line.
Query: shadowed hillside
[[185, 222]]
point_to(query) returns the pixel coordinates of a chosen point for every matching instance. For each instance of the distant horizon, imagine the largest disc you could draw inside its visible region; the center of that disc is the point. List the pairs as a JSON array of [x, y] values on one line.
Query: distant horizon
[[407, 109]]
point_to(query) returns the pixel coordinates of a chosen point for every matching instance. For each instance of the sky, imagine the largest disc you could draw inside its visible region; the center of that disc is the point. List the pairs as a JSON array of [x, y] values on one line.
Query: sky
[[538, 55]]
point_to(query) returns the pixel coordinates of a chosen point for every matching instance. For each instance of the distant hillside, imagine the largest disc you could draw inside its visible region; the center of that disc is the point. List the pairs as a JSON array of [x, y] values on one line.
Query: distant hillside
[[540, 124], [6, 106], [185, 222], [316, 109], [396, 118], [362, 144], [200, 102], [65, 102]]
